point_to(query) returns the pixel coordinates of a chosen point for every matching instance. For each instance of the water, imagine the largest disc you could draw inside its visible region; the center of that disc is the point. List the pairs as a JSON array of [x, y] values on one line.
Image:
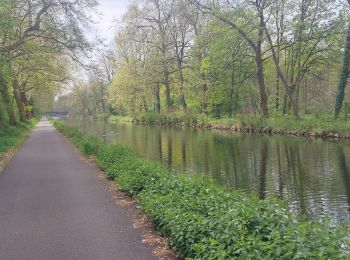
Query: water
[[312, 176]]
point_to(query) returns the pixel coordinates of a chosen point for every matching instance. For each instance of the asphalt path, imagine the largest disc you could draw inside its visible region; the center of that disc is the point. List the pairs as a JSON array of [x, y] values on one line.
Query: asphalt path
[[52, 206]]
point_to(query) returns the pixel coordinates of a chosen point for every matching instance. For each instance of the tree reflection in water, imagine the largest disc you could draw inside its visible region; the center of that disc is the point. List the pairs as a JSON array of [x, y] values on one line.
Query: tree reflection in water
[[312, 176]]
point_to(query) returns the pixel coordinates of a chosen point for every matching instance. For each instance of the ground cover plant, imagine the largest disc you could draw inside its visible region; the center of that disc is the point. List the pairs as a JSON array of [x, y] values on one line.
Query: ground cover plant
[[10, 136], [203, 220], [321, 125]]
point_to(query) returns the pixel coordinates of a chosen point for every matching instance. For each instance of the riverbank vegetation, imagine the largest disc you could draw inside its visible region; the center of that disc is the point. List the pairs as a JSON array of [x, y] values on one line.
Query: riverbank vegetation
[[324, 126], [203, 220], [276, 64]]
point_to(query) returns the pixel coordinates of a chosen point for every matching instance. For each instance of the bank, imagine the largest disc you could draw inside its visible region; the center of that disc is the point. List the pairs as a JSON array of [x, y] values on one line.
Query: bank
[[203, 220], [11, 137], [321, 126]]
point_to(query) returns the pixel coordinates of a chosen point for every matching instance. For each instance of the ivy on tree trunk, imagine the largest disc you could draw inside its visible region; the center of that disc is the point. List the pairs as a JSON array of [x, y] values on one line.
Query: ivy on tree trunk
[[344, 75]]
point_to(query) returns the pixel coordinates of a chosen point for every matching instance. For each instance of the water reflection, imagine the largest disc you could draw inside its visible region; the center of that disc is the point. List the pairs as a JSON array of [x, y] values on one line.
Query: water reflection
[[312, 176]]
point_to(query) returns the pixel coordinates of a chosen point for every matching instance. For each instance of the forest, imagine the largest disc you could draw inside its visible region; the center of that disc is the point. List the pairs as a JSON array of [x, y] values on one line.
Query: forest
[[222, 59], [40, 41]]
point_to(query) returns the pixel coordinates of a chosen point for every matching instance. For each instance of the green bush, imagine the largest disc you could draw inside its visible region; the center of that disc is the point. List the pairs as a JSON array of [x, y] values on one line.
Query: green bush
[[203, 220], [89, 145]]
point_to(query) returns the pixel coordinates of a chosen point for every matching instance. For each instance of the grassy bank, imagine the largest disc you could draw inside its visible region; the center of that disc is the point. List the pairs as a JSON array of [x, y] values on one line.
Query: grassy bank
[[203, 220], [321, 125], [120, 119], [11, 136]]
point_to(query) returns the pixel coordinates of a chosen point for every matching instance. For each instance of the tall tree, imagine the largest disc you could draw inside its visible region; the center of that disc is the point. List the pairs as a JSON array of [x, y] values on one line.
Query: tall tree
[[34, 35], [155, 18], [344, 75], [253, 37]]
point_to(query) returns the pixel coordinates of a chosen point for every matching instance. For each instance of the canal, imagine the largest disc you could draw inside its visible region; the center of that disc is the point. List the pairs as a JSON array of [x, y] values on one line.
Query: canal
[[312, 176]]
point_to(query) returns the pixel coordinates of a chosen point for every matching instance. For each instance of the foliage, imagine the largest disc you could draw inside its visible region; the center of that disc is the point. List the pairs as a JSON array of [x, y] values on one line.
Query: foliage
[[343, 78], [10, 136], [314, 123], [223, 58], [121, 119], [87, 144], [4, 118], [171, 119], [205, 221], [38, 40]]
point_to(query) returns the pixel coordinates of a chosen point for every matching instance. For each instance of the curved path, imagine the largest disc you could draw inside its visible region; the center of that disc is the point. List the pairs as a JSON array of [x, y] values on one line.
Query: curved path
[[52, 206]]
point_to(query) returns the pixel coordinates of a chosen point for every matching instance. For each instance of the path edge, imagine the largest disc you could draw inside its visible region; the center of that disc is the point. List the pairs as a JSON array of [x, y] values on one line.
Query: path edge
[[10, 153], [158, 243]]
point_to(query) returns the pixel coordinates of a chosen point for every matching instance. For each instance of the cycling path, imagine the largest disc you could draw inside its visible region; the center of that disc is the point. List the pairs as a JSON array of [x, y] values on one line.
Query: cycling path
[[52, 206]]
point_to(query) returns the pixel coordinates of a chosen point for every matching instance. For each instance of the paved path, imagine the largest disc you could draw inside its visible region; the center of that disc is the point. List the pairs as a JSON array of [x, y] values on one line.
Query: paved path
[[52, 206]]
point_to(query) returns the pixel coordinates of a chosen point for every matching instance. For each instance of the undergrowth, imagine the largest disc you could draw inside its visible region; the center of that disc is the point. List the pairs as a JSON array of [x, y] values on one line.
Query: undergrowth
[[11, 135], [312, 123], [203, 220]]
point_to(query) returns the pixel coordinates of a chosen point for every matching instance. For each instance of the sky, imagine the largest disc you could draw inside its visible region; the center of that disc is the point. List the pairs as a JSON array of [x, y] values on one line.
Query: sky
[[109, 12]]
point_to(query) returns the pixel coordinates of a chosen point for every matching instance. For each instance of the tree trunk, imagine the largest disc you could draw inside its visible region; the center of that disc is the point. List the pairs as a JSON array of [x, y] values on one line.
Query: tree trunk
[[305, 95], [144, 101], [204, 101], [297, 96], [20, 105], [8, 101], [169, 102], [277, 94], [232, 92], [28, 113], [181, 85], [103, 104], [344, 75], [261, 81], [275, 57], [4, 118], [157, 99], [285, 104], [260, 66], [166, 79]]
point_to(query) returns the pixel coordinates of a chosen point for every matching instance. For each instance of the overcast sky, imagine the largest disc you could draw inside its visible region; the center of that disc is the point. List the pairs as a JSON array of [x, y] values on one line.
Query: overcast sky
[[108, 12]]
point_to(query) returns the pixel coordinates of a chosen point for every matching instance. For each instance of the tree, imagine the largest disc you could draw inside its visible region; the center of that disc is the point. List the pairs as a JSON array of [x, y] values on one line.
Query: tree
[[132, 87], [344, 75], [254, 13], [314, 22], [206, 56], [181, 36], [155, 17], [35, 72], [34, 35], [227, 66], [58, 22]]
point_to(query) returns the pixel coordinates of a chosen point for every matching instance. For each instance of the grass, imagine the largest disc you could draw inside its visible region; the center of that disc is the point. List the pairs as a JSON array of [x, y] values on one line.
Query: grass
[[120, 119], [315, 124], [203, 220], [11, 136]]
